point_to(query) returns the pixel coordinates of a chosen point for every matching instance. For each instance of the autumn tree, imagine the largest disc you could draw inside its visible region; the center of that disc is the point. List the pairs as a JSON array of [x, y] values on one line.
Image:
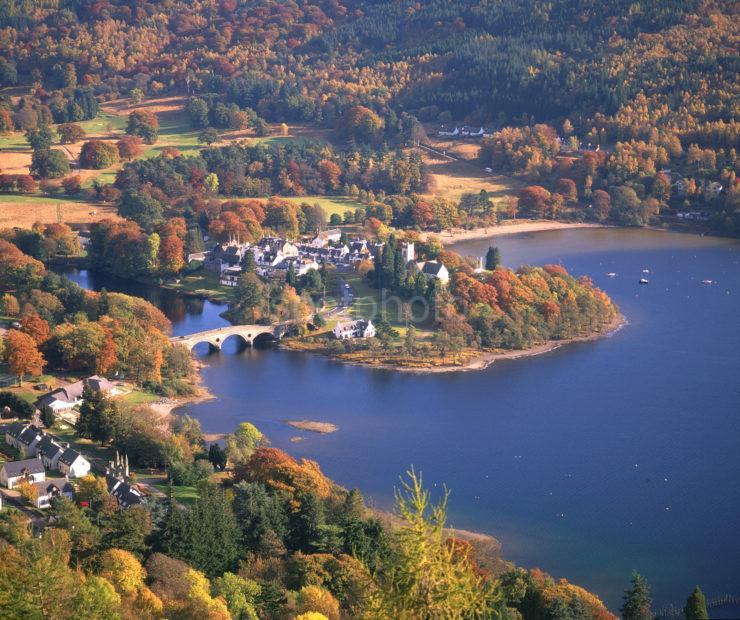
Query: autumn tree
[[97, 154], [144, 124], [171, 254], [130, 147], [37, 328], [533, 200], [69, 133], [72, 184], [241, 444], [24, 358]]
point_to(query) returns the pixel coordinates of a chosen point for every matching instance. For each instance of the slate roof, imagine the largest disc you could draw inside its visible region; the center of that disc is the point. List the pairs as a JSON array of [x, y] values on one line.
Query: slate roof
[[15, 429], [14, 469], [99, 384], [28, 435], [432, 267], [46, 487], [69, 456], [48, 447], [122, 491], [67, 394]]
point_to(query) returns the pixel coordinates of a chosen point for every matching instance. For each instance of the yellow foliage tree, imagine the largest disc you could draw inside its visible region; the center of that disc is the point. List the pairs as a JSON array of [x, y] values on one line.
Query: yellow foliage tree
[[123, 570]]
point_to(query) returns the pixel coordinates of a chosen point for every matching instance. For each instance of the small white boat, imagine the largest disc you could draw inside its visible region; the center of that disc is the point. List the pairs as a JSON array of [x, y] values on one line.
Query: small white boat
[[645, 271], [611, 274], [643, 281], [707, 281]]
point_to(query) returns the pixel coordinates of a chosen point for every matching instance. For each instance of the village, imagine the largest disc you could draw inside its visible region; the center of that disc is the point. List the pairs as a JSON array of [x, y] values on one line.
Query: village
[[38, 466]]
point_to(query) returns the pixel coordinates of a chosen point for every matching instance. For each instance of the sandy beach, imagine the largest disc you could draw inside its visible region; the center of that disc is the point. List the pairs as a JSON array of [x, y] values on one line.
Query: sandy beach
[[454, 235]]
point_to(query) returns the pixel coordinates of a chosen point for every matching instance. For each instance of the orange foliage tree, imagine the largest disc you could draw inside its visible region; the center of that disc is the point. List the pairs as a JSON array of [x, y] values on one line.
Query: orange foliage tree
[[23, 355]]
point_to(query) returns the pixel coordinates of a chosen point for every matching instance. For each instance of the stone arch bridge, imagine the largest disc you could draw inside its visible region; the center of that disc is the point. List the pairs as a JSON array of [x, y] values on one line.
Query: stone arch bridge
[[248, 334]]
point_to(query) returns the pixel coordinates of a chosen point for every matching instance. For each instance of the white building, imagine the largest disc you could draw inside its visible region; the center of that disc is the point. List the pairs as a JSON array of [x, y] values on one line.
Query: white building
[[24, 438], [345, 330], [230, 276], [325, 237], [49, 489], [434, 269], [15, 472], [49, 451], [71, 463]]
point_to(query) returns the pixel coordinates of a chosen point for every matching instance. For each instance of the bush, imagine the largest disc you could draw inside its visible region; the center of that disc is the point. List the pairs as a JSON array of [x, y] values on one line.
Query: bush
[[26, 183], [72, 185]]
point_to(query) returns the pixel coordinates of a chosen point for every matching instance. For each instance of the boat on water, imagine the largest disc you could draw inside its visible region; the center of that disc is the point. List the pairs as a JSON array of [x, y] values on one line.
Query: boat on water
[[611, 274], [643, 281], [707, 281], [645, 271]]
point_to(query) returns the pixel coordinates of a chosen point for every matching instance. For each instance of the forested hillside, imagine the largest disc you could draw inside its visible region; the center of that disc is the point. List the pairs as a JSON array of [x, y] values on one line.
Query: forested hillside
[[652, 86]]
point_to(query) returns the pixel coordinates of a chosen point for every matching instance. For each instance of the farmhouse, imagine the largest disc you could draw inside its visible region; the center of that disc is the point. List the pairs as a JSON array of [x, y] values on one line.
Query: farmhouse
[[13, 473], [345, 330], [69, 396]]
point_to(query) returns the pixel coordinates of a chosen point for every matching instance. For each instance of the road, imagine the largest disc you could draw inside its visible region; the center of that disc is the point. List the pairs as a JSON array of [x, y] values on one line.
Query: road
[[347, 297]]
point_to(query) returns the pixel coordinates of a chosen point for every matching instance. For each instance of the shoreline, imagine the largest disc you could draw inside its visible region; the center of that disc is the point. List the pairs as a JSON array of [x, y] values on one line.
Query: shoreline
[[454, 235], [483, 359]]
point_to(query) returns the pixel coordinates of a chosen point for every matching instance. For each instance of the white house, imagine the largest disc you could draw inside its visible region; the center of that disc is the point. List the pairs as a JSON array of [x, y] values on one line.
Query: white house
[[434, 269], [71, 463], [448, 131], [325, 237], [230, 276], [345, 330], [23, 437], [69, 396], [49, 489], [49, 451], [15, 472]]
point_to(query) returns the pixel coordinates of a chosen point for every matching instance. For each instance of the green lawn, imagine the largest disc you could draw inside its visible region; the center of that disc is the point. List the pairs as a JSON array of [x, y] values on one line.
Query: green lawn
[[13, 141], [182, 495], [139, 397], [67, 434], [330, 204], [203, 282], [105, 123]]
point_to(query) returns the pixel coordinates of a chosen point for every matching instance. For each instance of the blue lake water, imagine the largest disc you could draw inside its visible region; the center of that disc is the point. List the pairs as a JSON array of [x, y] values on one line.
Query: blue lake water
[[587, 461]]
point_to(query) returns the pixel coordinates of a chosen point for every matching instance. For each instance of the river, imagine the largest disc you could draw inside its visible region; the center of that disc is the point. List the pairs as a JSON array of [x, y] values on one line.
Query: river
[[587, 461]]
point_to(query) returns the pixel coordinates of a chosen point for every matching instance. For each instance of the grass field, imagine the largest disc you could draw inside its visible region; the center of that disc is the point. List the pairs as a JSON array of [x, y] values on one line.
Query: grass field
[[204, 283], [24, 210], [330, 204], [453, 178]]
